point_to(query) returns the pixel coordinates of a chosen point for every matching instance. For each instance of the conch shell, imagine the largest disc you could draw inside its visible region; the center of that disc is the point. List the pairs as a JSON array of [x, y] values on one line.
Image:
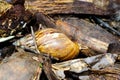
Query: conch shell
[[52, 42]]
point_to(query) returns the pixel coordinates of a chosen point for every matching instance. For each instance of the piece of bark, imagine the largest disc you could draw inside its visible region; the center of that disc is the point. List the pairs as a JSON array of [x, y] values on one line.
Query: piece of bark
[[108, 73], [88, 34], [95, 64], [83, 32], [25, 66], [20, 66], [48, 70], [100, 7]]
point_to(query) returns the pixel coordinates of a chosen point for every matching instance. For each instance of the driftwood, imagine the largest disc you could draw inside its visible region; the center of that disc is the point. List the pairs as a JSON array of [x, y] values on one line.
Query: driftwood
[[100, 7], [83, 32]]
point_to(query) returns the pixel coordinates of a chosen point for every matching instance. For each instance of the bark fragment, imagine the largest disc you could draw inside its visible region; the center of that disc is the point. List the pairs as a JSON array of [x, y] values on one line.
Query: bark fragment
[[83, 32], [100, 7], [20, 66]]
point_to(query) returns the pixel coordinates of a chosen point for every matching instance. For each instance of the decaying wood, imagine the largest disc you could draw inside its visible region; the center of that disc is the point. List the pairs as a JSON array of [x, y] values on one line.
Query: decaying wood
[[12, 21], [108, 73], [96, 65], [83, 32], [48, 70], [20, 66], [25, 66], [74, 6], [88, 34], [108, 70]]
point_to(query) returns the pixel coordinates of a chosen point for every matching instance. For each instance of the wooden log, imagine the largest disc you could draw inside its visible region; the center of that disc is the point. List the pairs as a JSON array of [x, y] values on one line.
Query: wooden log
[[101, 7], [86, 33]]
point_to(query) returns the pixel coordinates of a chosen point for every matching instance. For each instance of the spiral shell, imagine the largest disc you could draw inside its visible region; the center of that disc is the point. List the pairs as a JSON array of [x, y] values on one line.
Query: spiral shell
[[53, 42]]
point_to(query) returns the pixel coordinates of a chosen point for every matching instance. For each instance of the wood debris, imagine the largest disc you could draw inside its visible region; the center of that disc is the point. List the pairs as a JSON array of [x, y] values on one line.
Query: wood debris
[[93, 25]]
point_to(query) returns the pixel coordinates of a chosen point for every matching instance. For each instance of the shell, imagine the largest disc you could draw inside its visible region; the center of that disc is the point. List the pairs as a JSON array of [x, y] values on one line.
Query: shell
[[52, 42]]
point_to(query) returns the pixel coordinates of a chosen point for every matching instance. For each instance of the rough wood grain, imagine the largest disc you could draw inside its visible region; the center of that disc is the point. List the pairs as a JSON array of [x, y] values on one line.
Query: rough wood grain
[[88, 34], [85, 33], [20, 66], [100, 7]]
